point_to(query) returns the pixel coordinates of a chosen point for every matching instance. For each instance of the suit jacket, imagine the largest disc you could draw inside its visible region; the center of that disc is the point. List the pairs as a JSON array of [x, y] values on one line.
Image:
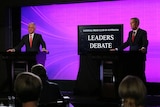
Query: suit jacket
[[134, 64], [139, 41], [37, 41], [50, 92]]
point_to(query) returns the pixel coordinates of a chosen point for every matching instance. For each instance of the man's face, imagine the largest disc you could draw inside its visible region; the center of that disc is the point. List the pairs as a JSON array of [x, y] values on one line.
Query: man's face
[[133, 24], [31, 28]]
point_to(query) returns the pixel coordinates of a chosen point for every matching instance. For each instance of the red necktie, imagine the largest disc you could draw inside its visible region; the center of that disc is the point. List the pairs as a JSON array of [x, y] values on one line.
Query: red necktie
[[133, 36], [30, 40]]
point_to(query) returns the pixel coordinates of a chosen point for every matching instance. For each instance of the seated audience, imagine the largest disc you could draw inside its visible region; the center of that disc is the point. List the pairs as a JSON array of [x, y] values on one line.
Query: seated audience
[[28, 87], [50, 91], [132, 91]]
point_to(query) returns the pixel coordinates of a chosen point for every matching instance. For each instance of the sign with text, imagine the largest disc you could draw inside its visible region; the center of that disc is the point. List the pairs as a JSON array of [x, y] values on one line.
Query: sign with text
[[98, 39]]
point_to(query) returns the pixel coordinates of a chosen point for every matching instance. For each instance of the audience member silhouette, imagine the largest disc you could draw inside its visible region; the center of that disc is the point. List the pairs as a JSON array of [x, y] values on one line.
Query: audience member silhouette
[[28, 87], [50, 91], [132, 91]]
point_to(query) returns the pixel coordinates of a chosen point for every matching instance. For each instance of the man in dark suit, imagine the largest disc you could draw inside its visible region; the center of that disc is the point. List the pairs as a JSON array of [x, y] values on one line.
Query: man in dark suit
[[137, 39], [138, 43], [32, 41]]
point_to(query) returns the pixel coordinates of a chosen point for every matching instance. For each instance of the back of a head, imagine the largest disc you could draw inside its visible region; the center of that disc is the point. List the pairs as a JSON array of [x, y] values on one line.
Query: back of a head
[[27, 87], [40, 71], [50, 91], [132, 87]]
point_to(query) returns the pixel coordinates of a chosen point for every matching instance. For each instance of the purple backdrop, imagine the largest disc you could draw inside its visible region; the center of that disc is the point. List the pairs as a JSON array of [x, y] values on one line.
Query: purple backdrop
[[58, 25]]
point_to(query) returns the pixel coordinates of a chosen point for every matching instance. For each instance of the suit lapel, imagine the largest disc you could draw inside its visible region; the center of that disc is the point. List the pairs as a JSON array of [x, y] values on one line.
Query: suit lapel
[[137, 35], [34, 37], [28, 39]]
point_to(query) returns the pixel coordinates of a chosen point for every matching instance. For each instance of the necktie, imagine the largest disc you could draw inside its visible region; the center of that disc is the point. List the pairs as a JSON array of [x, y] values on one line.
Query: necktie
[[133, 36], [30, 40]]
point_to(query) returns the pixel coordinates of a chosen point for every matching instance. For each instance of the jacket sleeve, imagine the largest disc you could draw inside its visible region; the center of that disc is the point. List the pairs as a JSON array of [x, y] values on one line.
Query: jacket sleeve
[[20, 45], [125, 44], [42, 42], [144, 40]]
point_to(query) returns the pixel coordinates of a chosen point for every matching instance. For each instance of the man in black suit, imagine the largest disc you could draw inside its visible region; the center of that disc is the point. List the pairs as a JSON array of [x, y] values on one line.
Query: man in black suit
[[138, 43], [137, 39], [32, 41]]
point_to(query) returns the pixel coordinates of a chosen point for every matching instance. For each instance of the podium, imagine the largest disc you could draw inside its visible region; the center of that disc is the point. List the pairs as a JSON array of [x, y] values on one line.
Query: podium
[[116, 65], [21, 62], [19, 58], [99, 66], [102, 73]]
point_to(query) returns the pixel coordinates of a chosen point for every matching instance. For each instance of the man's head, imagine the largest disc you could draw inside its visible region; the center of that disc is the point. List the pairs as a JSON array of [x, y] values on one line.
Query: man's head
[[39, 70], [134, 22], [31, 27], [27, 87]]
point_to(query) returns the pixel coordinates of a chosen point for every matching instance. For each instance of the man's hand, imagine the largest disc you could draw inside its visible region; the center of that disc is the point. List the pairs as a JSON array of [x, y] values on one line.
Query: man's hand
[[44, 50], [11, 50], [112, 50], [143, 50]]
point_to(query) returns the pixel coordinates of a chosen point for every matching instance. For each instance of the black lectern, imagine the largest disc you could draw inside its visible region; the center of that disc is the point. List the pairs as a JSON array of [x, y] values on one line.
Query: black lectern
[[99, 66], [104, 72], [18, 58], [21, 61], [116, 65], [94, 42]]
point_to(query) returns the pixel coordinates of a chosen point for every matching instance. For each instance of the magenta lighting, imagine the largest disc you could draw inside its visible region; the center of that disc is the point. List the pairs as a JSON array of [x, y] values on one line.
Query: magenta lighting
[[58, 25]]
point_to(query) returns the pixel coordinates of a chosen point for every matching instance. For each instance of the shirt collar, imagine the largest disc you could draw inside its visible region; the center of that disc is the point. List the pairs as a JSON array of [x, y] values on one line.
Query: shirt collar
[[135, 31], [31, 34]]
